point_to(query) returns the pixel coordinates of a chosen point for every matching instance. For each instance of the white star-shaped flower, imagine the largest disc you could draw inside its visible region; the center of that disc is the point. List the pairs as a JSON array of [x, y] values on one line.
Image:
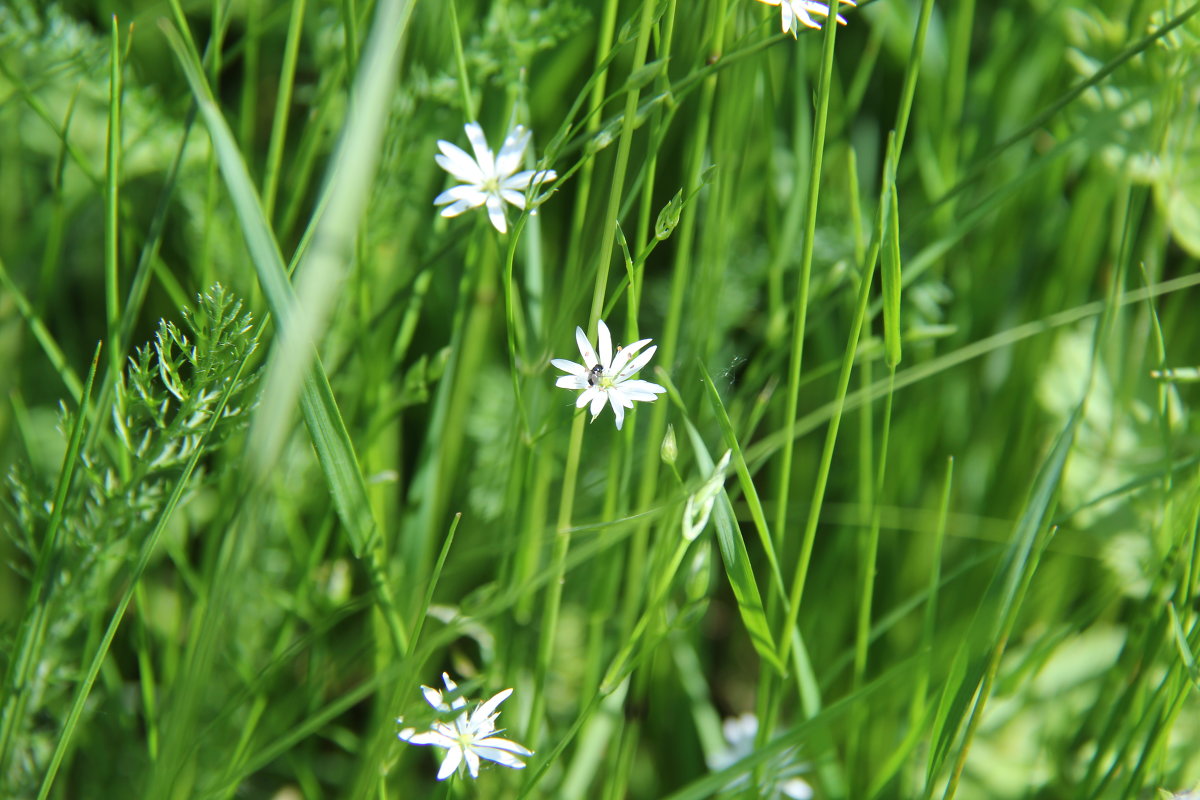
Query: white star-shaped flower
[[801, 10], [608, 378], [469, 737], [487, 180]]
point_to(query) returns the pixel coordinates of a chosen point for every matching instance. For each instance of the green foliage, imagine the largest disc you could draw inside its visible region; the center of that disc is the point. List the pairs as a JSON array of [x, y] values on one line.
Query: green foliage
[[929, 277], [163, 413]]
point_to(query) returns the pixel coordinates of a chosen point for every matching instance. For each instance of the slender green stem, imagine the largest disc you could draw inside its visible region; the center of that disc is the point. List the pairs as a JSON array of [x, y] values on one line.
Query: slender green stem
[[112, 172], [566, 505], [580, 231], [460, 63], [870, 555], [681, 278], [608, 229], [558, 561], [799, 325], [283, 103]]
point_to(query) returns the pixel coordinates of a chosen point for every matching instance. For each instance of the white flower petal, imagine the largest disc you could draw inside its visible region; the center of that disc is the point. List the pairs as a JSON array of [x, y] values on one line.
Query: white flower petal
[[498, 743], [450, 763], [522, 180], [456, 161], [471, 195], [589, 396], [636, 365], [615, 400], [470, 737], [496, 213], [487, 179], [614, 386], [795, 788], [516, 198], [571, 382], [605, 341], [486, 709], [641, 387], [789, 18], [501, 756], [805, 19], [624, 354], [456, 208], [641, 397], [434, 698], [585, 349], [569, 366], [483, 153], [429, 737], [598, 405], [472, 761], [511, 151]]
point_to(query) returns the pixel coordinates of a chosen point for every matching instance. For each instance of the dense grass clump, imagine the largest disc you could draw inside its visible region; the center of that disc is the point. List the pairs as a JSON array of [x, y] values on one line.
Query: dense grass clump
[[597, 399]]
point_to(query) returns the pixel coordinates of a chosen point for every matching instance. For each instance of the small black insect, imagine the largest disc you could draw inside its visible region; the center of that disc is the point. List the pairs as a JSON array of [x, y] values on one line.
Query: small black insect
[[595, 374]]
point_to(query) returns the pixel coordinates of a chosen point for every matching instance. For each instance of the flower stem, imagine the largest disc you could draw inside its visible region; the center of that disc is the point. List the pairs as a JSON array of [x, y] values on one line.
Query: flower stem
[[562, 536], [562, 543]]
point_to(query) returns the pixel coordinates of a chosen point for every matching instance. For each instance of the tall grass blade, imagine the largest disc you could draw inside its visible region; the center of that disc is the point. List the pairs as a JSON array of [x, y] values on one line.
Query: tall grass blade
[[330, 438]]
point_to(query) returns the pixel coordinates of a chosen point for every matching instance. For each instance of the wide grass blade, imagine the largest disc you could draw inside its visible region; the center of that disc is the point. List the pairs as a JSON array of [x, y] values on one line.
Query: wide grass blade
[[335, 451]]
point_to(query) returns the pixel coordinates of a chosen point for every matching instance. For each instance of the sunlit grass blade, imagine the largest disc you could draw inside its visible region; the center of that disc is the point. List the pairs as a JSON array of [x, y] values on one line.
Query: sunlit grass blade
[[890, 279], [279, 125], [330, 438]]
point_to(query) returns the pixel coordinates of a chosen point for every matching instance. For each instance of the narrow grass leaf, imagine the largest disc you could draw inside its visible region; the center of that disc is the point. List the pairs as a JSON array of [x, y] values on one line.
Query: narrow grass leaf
[[1185, 649], [889, 277], [45, 339], [737, 564], [112, 183], [744, 479]]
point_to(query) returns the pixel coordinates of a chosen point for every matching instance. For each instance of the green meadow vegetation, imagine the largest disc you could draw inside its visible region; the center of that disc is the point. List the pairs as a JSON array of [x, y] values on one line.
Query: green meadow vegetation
[[902, 501]]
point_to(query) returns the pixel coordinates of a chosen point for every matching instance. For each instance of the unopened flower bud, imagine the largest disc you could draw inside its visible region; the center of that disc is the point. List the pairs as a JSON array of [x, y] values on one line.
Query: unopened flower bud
[[668, 218], [670, 449]]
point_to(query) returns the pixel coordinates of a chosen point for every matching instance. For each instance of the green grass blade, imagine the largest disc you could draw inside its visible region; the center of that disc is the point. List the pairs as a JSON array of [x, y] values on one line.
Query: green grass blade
[[330, 438], [26, 655], [49, 345], [997, 612], [744, 479], [889, 278], [738, 569], [112, 213]]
